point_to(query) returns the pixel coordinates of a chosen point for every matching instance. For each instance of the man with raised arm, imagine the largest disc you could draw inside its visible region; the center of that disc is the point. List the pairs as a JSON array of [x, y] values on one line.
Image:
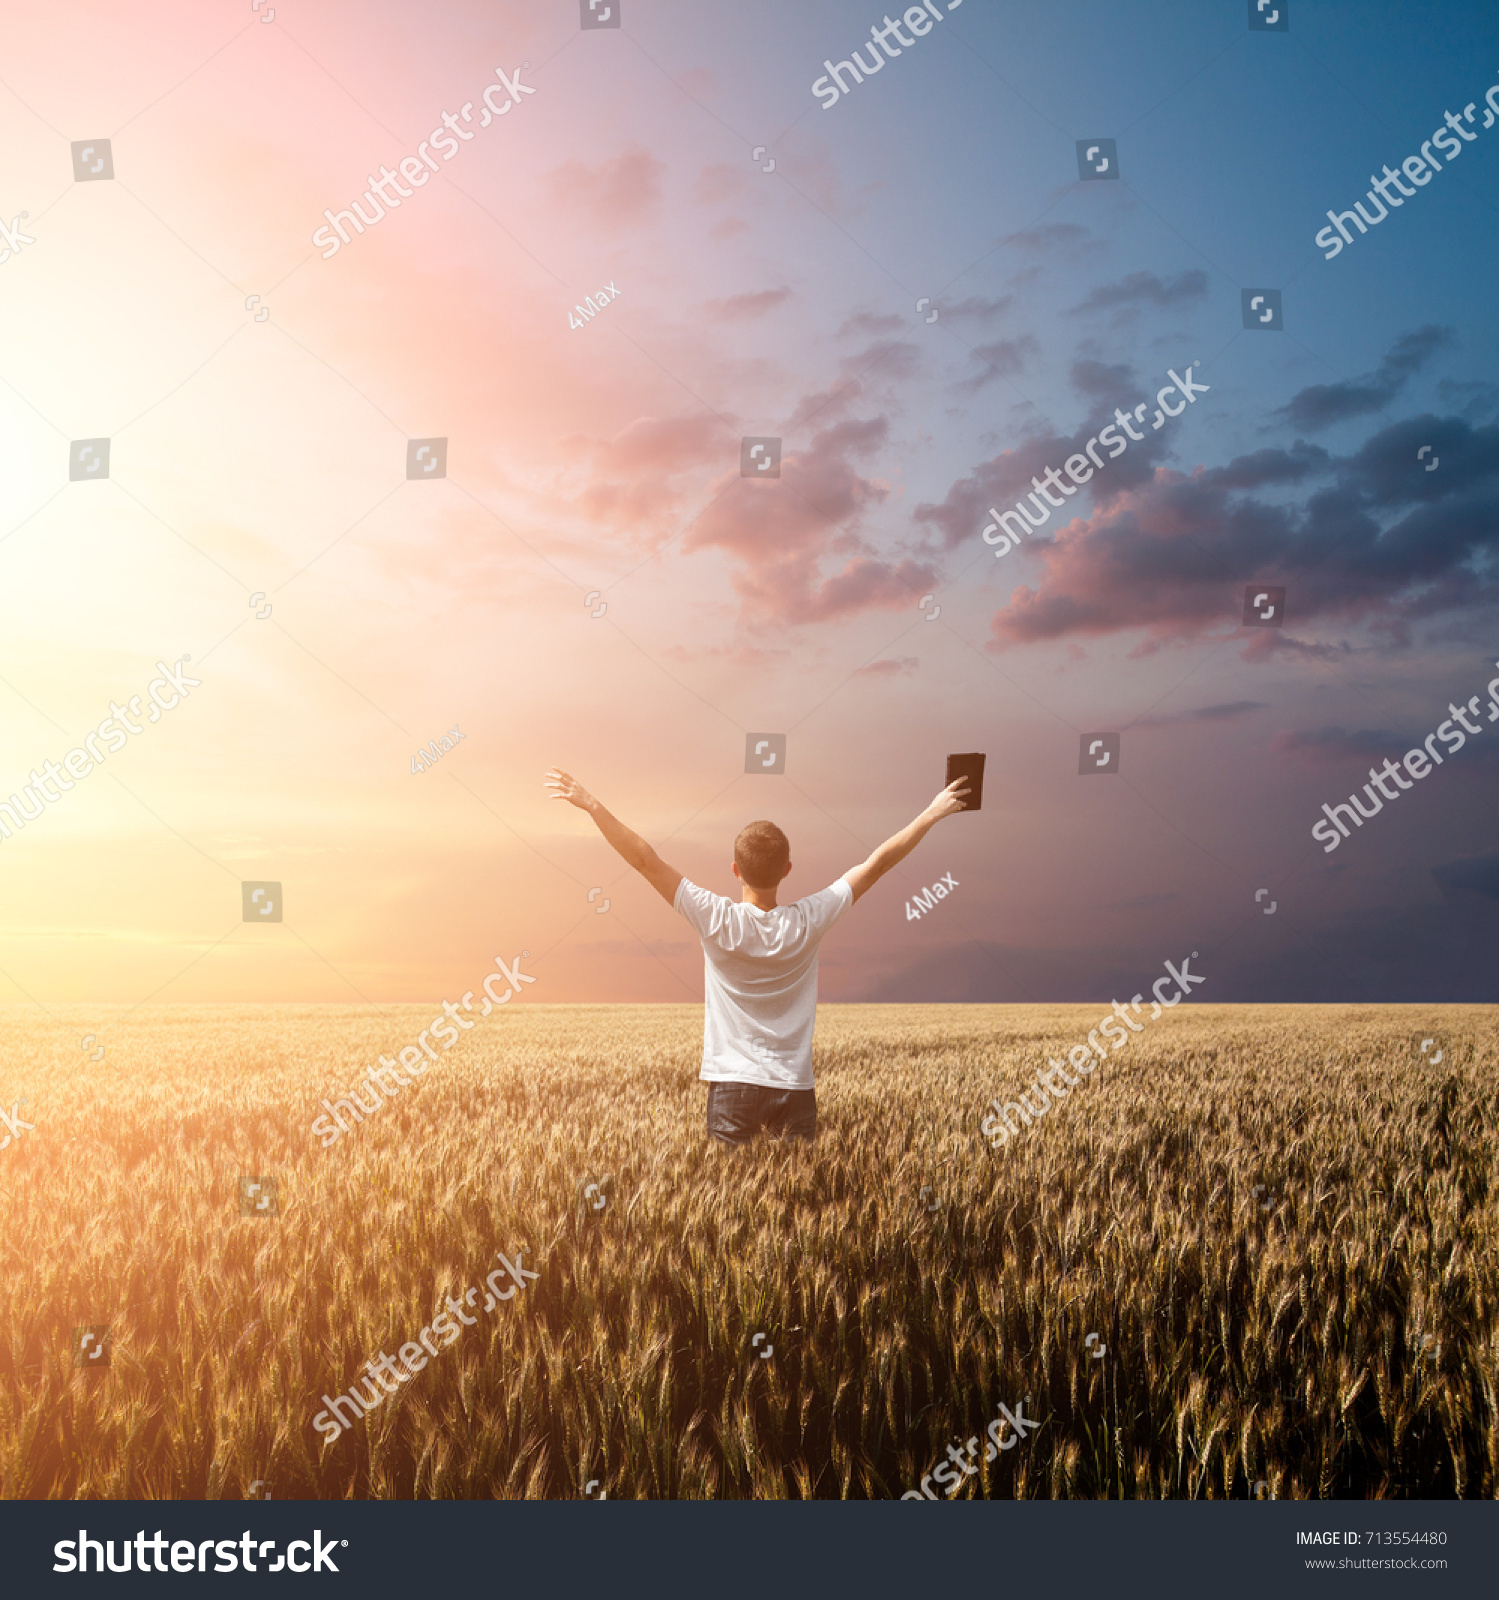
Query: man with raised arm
[[759, 961]]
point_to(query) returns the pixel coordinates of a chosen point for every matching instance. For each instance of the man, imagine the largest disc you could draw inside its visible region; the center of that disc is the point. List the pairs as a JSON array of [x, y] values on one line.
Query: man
[[759, 961]]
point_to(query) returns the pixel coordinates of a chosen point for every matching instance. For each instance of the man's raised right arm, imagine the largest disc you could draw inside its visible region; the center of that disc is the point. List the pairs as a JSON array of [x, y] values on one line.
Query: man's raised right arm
[[898, 846], [661, 876]]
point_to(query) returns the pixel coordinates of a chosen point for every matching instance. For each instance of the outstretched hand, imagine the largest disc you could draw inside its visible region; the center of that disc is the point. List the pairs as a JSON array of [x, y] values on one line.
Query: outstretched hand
[[949, 801], [565, 787], [862, 878]]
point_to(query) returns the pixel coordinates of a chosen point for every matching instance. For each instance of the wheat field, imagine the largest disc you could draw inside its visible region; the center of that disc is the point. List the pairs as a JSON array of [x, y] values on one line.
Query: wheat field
[[1278, 1225]]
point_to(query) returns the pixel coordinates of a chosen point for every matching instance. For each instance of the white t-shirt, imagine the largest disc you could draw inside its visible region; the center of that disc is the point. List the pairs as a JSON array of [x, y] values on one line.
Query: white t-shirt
[[760, 983]]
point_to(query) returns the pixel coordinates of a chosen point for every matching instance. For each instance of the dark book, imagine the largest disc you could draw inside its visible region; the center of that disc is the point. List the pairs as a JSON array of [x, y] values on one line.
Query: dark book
[[971, 769]]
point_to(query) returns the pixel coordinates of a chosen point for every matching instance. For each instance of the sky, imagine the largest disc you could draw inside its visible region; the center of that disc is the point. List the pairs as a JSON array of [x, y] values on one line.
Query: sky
[[914, 291]]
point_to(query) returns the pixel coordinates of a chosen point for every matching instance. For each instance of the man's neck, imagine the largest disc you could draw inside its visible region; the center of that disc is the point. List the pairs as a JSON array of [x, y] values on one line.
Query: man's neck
[[760, 899]]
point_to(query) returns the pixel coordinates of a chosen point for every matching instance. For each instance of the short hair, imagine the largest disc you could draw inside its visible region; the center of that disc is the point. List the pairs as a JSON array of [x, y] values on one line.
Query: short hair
[[762, 853]]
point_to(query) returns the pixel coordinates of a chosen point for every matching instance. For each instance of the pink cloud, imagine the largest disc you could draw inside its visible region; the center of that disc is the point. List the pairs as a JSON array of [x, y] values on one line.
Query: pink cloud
[[890, 667], [633, 484], [1143, 561], [618, 192], [781, 534], [721, 181], [700, 82], [745, 307]]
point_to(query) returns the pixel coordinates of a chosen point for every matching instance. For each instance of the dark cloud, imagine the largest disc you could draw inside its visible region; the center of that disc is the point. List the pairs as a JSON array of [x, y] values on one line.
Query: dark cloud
[[824, 405], [1143, 289], [1219, 713], [1361, 746], [1321, 405], [977, 308], [890, 360], [1473, 400], [1393, 472], [1097, 381], [1433, 950], [999, 360], [870, 325], [1471, 875], [1008, 477], [1267, 642], [1264, 468], [1058, 236], [1336, 745], [1374, 539]]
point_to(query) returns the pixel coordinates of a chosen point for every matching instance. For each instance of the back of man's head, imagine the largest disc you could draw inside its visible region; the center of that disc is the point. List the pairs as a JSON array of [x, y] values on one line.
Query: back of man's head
[[762, 853]]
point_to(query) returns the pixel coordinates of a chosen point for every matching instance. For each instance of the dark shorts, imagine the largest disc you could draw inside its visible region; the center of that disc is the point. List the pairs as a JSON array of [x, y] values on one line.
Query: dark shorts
[[738, 1111]]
